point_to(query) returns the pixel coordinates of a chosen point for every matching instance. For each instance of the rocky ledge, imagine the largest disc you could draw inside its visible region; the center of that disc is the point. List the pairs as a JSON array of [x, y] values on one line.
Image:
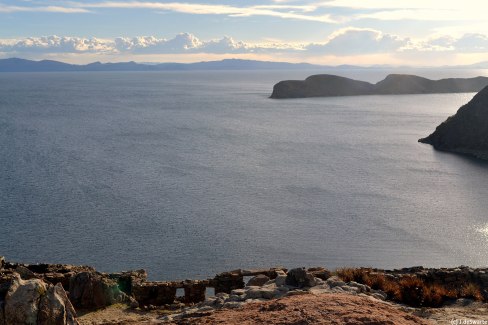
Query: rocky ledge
[[325, 85], [53, 294], [467, 131]]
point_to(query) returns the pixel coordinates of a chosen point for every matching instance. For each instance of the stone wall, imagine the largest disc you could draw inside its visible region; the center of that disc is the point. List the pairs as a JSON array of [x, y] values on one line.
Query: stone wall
[[91, 289]]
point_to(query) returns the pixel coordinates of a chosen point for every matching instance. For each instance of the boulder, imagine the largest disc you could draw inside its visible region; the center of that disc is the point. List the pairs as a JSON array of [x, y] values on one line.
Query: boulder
[[36, 302], [92, 290], [258, 280], [55, 308], [22, 301], [2, 262], [299, 278]]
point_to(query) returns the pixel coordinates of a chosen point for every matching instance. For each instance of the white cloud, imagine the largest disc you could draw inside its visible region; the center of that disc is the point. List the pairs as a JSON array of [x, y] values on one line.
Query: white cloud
[[298, 12], [66, 10], [56, 44], [344, 42], [358, 41]]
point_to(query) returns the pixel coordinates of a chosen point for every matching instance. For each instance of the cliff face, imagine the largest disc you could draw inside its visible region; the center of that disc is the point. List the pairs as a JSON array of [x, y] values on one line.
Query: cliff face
[[466, 131], [331, 85]]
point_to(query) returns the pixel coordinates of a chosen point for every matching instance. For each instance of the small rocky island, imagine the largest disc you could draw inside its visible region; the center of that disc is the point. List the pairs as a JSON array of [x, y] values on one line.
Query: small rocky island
[[467, 131], [325, 85]]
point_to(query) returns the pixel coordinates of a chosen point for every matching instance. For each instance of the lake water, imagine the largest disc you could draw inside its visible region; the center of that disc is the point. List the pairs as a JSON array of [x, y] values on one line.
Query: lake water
[[187, 174]]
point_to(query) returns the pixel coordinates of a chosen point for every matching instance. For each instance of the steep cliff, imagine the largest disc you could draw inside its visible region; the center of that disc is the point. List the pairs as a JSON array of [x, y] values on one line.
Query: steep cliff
[[466, 131]]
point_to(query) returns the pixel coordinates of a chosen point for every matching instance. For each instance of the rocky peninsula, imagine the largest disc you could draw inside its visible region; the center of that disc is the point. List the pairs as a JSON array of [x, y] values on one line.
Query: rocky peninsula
[[68, 294], [467, 131], [325, 85]]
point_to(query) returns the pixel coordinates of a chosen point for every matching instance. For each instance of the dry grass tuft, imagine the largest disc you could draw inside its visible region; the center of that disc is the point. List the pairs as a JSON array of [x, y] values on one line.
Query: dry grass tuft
[[410, 290]]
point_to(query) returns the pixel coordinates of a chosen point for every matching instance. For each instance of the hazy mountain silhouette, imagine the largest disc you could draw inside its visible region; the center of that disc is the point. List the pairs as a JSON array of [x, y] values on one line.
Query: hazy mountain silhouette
[[22, 65]]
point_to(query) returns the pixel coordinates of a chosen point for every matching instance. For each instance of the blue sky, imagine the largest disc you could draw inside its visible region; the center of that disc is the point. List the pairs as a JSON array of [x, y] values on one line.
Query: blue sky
[[327, 32]]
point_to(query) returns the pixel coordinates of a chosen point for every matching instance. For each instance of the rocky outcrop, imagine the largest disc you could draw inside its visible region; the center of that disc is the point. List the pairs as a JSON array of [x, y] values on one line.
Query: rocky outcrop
[[394, 84], [91, 290], [36, 302], [467, 131]]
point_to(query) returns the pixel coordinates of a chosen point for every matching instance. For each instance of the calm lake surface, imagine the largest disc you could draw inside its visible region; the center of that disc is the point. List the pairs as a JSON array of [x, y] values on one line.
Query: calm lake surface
[[187, 174]]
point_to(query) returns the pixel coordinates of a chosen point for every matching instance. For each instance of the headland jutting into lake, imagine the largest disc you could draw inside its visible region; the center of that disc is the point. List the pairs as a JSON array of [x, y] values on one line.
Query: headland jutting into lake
[[325, 85]]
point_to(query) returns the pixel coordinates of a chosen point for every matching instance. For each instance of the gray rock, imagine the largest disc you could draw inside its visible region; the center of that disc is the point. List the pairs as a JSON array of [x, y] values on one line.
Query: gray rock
[[258, 280], [280, 280], [266, 292], [299, 278], [362, 288], [379, 296], [335, 281], [232, 305], [320, 289], [22, 301], [55, 308]]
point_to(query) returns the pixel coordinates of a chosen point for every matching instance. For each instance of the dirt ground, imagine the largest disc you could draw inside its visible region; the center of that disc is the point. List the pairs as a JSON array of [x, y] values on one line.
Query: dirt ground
[[328, 308]]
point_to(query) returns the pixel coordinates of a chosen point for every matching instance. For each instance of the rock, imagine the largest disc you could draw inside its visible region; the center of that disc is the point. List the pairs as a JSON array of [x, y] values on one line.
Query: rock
[[330, 85], [299, 278], [280, 280], [258, 280], [55, 308], [265, 292], [238, 292], [2, 262], [91, 290], [25, 273], [133, 303], [320, 273], [378, 294], [36, 302], [319, 289], [362, 288], [467, 131], [232, 305], [22, 301], [335, 281]]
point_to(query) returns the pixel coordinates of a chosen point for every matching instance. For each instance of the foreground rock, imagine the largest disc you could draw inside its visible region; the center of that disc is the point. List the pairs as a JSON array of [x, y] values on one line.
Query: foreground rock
[[467, 131], [36, 302], [394, 84]]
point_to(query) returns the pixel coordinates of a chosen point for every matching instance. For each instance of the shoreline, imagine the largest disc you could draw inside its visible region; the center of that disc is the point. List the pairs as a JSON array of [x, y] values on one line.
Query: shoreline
[[95, 293]]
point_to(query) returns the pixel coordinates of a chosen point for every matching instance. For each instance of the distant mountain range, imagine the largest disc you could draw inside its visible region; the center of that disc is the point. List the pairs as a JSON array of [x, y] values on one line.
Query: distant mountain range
[[22, 65]]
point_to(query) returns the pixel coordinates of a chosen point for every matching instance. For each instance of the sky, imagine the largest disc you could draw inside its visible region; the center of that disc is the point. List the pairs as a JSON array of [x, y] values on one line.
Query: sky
[[331, 32]]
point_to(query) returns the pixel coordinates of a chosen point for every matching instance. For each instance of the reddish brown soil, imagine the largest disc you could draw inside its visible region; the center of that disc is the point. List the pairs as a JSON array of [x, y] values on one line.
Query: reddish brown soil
[[328, 308]]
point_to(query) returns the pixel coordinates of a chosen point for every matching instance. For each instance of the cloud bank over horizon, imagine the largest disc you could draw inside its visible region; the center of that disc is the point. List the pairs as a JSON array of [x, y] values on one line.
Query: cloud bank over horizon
[[315, 31], [344, 42]]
